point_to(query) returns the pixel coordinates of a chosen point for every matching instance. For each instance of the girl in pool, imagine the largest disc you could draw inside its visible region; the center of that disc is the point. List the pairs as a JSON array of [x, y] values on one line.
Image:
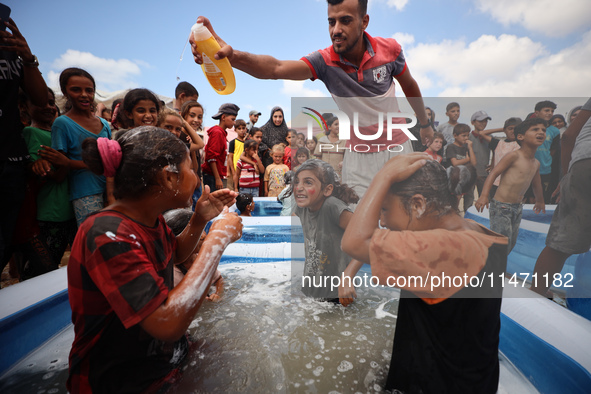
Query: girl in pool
[[446, 337], [129, 321], [322, 206], [245, 204], [87, 190]]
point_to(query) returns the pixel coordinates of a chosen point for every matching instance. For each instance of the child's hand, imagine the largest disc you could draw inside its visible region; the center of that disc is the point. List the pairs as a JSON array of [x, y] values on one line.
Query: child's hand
[[347, 294], [53, 156], [211, 205], [539, 206], [401, 167], [469, 143], [481, 203], [228, 223], [41, 167]]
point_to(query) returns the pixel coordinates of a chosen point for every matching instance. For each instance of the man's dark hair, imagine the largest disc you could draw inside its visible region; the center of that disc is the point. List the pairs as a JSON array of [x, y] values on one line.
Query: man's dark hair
[[524, 126], [362, 5], [186, 88], [544, 104]]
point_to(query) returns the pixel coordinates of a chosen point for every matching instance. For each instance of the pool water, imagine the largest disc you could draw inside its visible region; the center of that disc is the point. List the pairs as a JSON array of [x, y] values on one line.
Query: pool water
[[264, 336]]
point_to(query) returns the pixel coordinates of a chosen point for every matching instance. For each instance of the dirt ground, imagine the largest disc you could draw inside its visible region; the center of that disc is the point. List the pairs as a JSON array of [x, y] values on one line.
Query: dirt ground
[[7, 279]]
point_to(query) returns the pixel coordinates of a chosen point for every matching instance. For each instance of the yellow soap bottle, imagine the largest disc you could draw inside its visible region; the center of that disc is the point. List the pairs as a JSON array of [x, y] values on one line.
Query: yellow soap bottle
[[219, 73]]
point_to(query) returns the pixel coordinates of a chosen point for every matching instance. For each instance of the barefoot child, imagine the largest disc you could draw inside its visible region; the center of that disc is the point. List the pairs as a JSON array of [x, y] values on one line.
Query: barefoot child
[[129, 321], [447, 337], [518, 169], [322, 206]]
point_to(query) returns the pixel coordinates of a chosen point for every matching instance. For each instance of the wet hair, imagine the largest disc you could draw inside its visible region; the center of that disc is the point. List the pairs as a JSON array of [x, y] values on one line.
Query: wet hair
[[242, 201], [461, 128], [451, 106], [130, 100], [239, 122], [73, 72], [512, 122], [327, 176], [186, 88], [248, 144], [439, 186], [177, 219], [524, 126], [168, 112], [146, 150], [544, 104], [362, 5]]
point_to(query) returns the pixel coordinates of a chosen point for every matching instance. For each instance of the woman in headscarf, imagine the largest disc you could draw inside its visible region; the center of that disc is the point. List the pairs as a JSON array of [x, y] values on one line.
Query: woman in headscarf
[[275, 130]]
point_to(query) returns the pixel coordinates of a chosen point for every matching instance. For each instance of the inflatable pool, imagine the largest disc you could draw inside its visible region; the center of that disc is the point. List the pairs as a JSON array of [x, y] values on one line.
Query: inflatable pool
[[265, 337], [575, 277]]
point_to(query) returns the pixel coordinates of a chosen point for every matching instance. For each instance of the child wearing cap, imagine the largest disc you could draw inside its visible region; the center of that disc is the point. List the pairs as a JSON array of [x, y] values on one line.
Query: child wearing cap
[[214, 168], [479, 120]]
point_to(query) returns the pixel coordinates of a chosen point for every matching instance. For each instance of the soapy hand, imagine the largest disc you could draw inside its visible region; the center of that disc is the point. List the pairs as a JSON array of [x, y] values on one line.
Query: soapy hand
[[229, 223], [226, 50], [211, 204], [347, 294]]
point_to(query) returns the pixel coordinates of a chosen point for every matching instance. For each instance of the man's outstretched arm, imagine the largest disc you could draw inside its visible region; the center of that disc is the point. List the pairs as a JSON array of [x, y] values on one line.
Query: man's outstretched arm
[[259, 66]]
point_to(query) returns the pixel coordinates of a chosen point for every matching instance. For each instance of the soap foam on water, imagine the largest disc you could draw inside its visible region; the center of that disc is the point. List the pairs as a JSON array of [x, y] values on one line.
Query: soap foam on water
[[262, 337], [279, 337]]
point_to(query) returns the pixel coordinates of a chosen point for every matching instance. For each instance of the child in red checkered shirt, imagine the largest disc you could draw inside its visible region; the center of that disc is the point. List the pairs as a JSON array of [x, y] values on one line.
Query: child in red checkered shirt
[[129, 321]]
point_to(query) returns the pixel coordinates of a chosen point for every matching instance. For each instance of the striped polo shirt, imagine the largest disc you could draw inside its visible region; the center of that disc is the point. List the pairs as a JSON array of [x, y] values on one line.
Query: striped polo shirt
[[368, 89]]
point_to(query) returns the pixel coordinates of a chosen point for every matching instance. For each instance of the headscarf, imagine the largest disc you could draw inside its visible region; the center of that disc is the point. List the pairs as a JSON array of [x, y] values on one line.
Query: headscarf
[[273, 135]]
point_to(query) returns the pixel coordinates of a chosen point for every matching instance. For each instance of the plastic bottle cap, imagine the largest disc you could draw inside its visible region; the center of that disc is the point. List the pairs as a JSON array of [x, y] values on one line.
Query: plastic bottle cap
[[197, 26]]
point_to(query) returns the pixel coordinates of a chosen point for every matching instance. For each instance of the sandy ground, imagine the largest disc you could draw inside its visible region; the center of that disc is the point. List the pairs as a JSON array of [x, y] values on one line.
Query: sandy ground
[[7, 279]]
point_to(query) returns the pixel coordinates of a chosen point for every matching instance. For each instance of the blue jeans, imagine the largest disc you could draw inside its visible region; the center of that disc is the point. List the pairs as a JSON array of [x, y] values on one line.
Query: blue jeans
[[505, 219], [254, 191]]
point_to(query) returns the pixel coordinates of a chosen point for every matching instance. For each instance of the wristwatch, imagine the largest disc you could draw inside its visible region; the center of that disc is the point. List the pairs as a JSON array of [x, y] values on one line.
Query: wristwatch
[[34, 63], [424, 126]]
